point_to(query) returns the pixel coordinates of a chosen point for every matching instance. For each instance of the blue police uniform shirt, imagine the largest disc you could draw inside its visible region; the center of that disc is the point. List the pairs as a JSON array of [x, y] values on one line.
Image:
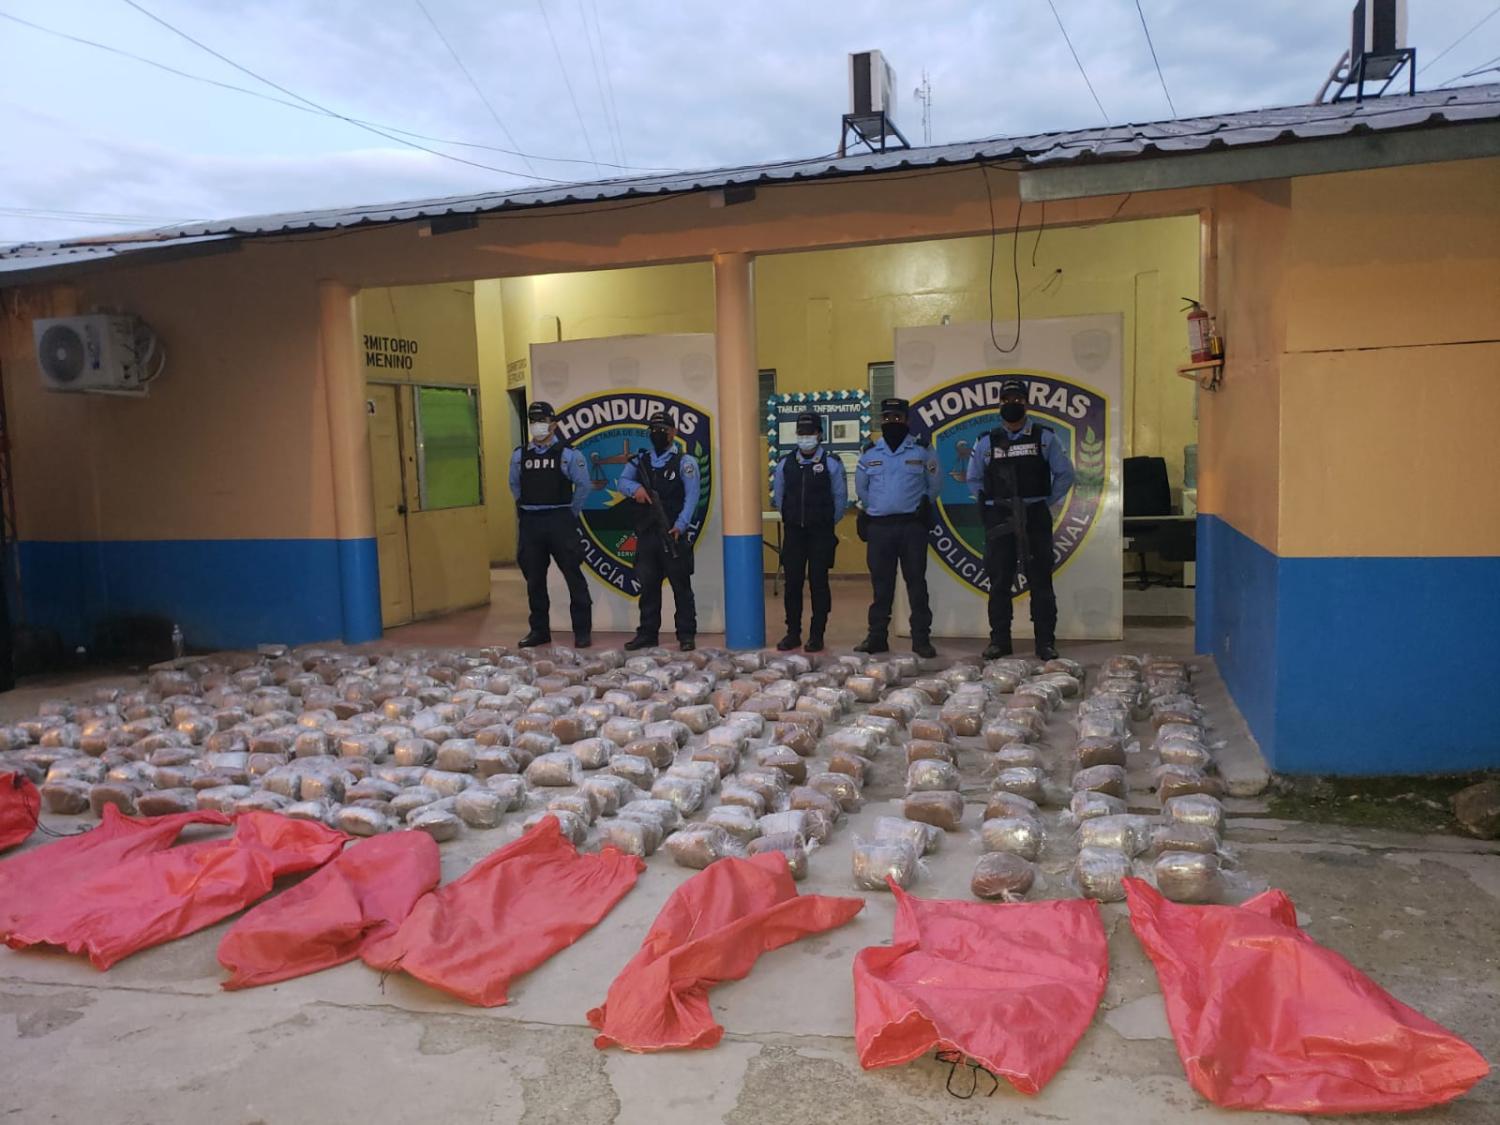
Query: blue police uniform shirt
[[573, 465], [688, 470], [837, 477], [893, 482], [1052, 450]]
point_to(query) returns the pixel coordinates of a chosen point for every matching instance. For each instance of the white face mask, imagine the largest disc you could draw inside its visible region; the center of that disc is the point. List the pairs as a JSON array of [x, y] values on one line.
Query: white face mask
[[807, 442], [540, 430]]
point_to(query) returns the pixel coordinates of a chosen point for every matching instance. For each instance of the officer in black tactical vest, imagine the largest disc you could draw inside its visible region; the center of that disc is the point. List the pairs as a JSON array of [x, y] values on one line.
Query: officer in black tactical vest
[[550, 482], [663, 482], [811, 491], [1019, 473]]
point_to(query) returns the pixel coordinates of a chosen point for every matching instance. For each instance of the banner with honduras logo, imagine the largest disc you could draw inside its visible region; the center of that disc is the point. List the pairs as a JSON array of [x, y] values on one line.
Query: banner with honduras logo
[[605, 392], [1073, 367]]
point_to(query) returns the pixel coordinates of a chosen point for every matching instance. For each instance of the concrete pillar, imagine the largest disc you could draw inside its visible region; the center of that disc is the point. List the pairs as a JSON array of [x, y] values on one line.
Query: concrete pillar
[[740, 458], [349, 441]]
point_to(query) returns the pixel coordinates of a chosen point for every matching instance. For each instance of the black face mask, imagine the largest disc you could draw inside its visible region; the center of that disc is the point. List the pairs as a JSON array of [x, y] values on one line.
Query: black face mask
[[661, 441], [1013, 411], [894, 433]]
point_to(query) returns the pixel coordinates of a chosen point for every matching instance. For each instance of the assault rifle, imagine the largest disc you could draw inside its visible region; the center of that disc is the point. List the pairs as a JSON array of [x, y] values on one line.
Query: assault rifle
[[1016, 517], [661, 524]]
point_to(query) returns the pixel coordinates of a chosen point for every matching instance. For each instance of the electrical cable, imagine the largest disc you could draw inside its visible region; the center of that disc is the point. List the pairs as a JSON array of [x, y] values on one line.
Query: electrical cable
[[1488, 64], [475, 85], [308, 109], [331, 112], [1495, 11], [1074, 53], [568, 82], [609, 82], [1160, 76], [609, 132], [1015, 263]]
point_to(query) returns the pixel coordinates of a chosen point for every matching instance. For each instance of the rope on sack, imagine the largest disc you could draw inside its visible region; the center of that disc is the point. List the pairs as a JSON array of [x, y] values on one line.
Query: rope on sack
[[955, 1059]]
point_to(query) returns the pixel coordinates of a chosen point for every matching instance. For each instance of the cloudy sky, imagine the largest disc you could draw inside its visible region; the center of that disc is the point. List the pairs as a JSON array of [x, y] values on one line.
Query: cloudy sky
[[98, 141]]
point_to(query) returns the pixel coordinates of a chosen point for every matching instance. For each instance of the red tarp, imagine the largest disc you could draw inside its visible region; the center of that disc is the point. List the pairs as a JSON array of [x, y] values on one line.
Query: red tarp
[[712, 929], [1266, 1018], [148, 899], [32, 881], [506, 915], [1012, 986], [20, 805], [359, 898]]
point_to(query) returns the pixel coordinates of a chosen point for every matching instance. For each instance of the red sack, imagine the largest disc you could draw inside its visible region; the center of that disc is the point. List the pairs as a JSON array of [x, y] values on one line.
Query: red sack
[[162, 895], [20, 807], [1012, 986], [1266, 1018], [713, 928], [34, 880], [506, 915], [326, 919]]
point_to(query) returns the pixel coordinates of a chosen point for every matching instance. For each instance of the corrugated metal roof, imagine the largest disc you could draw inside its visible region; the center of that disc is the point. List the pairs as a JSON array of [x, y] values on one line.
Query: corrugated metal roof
[[1430, 109]]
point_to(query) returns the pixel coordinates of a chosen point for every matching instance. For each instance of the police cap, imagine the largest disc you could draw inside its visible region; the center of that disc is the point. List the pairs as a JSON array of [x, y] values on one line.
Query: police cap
[[661, 420], [894, 406], [540, 411], [809, 423], [1015, 387]]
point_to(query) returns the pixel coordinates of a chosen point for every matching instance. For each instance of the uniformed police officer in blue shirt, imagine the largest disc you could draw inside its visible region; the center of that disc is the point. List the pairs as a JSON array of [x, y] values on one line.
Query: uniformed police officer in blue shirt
[[550, 482], [673, 477], [811, 492], [1019, 457], [897, 483]]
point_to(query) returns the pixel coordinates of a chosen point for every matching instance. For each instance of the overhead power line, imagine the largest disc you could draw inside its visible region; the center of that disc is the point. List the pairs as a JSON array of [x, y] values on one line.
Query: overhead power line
[[332, 112], [1074, 53], [1444, 52], [298, 106], [568, 82], [609, 132], [465, 70], [1157, 62], [609, 82]]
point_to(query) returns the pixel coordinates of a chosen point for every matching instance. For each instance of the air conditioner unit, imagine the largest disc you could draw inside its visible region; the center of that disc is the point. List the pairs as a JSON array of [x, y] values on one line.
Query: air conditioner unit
[[1379, 31], [872, 85], [98, 352]]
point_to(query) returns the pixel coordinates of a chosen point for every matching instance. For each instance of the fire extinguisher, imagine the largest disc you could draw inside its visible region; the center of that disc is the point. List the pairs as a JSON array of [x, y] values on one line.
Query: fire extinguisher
[[1200, 332]]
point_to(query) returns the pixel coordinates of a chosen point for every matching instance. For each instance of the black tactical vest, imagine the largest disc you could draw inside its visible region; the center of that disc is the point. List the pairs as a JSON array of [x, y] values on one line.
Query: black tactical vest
[[666, 482], [1023, 457], [543, 481], [807, 489]]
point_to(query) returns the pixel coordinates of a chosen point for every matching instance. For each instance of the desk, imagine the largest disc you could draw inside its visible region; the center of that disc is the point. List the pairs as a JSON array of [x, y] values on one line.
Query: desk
[[1189, 569], [774, 517]]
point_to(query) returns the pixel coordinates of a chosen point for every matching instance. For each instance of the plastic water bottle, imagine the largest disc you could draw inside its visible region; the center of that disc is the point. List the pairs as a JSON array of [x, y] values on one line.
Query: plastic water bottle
[[177, 642]]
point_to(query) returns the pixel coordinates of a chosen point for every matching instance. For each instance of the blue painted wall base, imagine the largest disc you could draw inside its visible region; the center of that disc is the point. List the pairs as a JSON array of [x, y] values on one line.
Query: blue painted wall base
[[1353, 666], [225, 593], [744, 592]]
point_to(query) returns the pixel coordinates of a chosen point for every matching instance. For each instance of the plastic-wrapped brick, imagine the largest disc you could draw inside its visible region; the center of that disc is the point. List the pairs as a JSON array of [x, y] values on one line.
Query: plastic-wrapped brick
[[921, 749], [593, 753], [1019, 835], [1100, 873], [447, 783], [1195, 808], [807, 798], [67, 798], [1003, 731], [696, 718], [1024, 781], [1002, 876], [739, 821], [408, 801], [706, 772], [479, 808], [1099, 750], [658, 751], [633, 768], [784, 759], [1176, 837], [633, 837], [1123, 832], [440, 824], [699, 845], [943, 810], [724, 759], [457, 755], [771, 784], [1180, 781], [607, 792], [1004, 804], [220, 798], [1187, 876], [966, 721], [1015, 755], [1088, 805], [854, 740], [555, 769], [665, 813], [688, 794], [875, 862], [512, 790], [1100, 779], [930, 774], [931, 730], [844, 761]]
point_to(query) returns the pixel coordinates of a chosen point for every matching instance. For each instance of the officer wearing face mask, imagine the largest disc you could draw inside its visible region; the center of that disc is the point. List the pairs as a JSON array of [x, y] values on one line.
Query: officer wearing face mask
[[1019, 460], [672, 477], [897, 482], [810, 491], [550, 482]]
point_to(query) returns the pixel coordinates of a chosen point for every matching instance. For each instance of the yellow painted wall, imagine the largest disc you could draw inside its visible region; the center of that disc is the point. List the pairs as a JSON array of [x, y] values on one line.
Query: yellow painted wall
[[1392, 364], [500, 507], [1238, 456]]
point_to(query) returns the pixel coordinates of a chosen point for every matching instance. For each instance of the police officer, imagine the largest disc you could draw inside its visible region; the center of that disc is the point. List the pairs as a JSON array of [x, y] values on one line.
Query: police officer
[[897, 483], [810, 491], [550, 482], [673, 477], [1019, 459]]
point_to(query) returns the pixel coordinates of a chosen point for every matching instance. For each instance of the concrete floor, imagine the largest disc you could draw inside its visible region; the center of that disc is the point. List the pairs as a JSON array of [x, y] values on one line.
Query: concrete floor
[[155, 1041]]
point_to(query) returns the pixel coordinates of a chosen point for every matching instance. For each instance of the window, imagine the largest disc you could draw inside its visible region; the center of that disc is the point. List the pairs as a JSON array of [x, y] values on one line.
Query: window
[[882, 383], [448, 469], [765, 388]]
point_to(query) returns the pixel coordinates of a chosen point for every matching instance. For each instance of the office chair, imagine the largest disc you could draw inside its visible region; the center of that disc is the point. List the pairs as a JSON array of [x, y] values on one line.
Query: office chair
[[1147, 493]]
